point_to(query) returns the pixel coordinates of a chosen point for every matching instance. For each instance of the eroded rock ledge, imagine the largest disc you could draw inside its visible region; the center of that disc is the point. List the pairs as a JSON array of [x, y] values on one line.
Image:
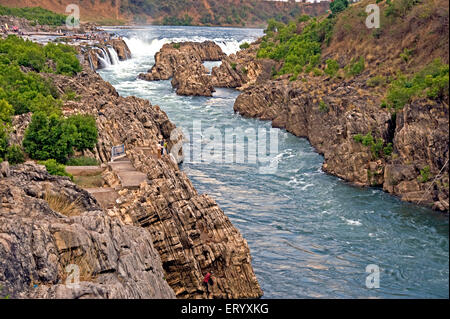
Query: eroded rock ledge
[[37, 243], [330, 114]]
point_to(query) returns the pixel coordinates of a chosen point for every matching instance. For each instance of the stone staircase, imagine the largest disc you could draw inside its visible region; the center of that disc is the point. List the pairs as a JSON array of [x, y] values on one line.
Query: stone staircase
[[129, 178]]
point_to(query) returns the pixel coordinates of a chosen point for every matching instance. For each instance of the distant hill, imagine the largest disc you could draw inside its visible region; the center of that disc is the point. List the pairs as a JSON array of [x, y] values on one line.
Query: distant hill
[[250, 13]]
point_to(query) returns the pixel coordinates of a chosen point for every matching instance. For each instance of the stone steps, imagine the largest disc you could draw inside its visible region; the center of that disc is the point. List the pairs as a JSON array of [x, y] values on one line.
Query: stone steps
[[106, 197]]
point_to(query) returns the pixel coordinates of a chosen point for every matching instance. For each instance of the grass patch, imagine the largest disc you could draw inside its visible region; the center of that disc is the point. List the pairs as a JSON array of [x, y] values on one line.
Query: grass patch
[[62, 204], [35, 14], [82, 161], [90, 181]]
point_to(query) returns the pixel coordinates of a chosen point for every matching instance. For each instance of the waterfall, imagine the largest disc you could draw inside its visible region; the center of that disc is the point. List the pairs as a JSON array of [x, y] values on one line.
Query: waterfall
[[106, 56], [90, 62], [113, 55]]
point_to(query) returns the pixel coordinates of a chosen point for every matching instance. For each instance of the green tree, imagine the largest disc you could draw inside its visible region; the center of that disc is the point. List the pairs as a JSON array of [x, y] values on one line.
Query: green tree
[[87, 133]]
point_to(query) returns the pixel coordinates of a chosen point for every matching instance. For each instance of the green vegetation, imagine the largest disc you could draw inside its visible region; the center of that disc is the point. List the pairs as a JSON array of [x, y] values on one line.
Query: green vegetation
[[86, 131], [399, 8], [16, 51], [299, 52], [53, 137], [185, 20], [14, 155], [35, 15], [375, 81], [332, 67], [176, 45], [425, 174], [338, 6], [323, 107], [233, 65], [54, 168], [82, 161], [432, 82], [28, 91], [244, 45], [377, 145], [356, 66], [49, 135]]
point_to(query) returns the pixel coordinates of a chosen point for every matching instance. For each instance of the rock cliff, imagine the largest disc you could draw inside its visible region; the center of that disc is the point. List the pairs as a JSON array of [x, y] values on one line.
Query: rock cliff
[[334, 112], [49, 227]]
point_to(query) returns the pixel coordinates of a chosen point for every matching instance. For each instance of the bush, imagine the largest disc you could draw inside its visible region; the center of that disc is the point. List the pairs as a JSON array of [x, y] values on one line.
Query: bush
[[323, 107], [432, 82], [376, 81], [65, 58], [176, 45], [86, 131], [299, 52], [14, 155], [6, 111], [376, 145], [425, 174], [49, 137], [82, 161], [338, 6], [356, 66], [3, 139], [55, 168], [332, 67], [55, 137], [244, 45]]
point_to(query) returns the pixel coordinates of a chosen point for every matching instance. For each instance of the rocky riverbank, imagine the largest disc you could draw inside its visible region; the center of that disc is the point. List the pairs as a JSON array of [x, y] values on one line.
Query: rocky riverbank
[[335, 113], [171, 231]]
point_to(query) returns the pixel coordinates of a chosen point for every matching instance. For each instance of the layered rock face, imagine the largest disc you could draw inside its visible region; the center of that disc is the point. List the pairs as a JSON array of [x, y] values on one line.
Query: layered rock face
[[331, 114], [184, 63], [190, 231], [241, 70], [191, 234], [53, 233]]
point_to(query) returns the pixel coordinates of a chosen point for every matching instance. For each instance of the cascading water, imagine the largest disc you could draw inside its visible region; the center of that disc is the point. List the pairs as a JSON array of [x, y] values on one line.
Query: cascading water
[[310, 234], [113, 56]]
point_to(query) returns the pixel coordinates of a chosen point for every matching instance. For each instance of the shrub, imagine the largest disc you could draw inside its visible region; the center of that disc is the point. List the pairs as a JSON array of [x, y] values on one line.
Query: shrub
[[425, 174], [432, 82], [244, 45], [86, 131], [298, 52], [356, 66], [233, 65], [65, 58], [338, 6], [49, 137], [82, 161], [332, 67], [14, 155], [55, 168], [376, 81], [323, 107], [176, 45], [55, 137], [3, 140], [6, 111], [376, 145]]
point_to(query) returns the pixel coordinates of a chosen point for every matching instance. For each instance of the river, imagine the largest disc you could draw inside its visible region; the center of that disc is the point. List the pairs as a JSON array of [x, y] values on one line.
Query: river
[[311, 235]]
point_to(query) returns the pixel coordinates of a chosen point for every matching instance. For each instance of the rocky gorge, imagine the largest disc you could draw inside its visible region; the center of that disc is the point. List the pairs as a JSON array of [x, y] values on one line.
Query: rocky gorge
[[158, 241], [332, 112]]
